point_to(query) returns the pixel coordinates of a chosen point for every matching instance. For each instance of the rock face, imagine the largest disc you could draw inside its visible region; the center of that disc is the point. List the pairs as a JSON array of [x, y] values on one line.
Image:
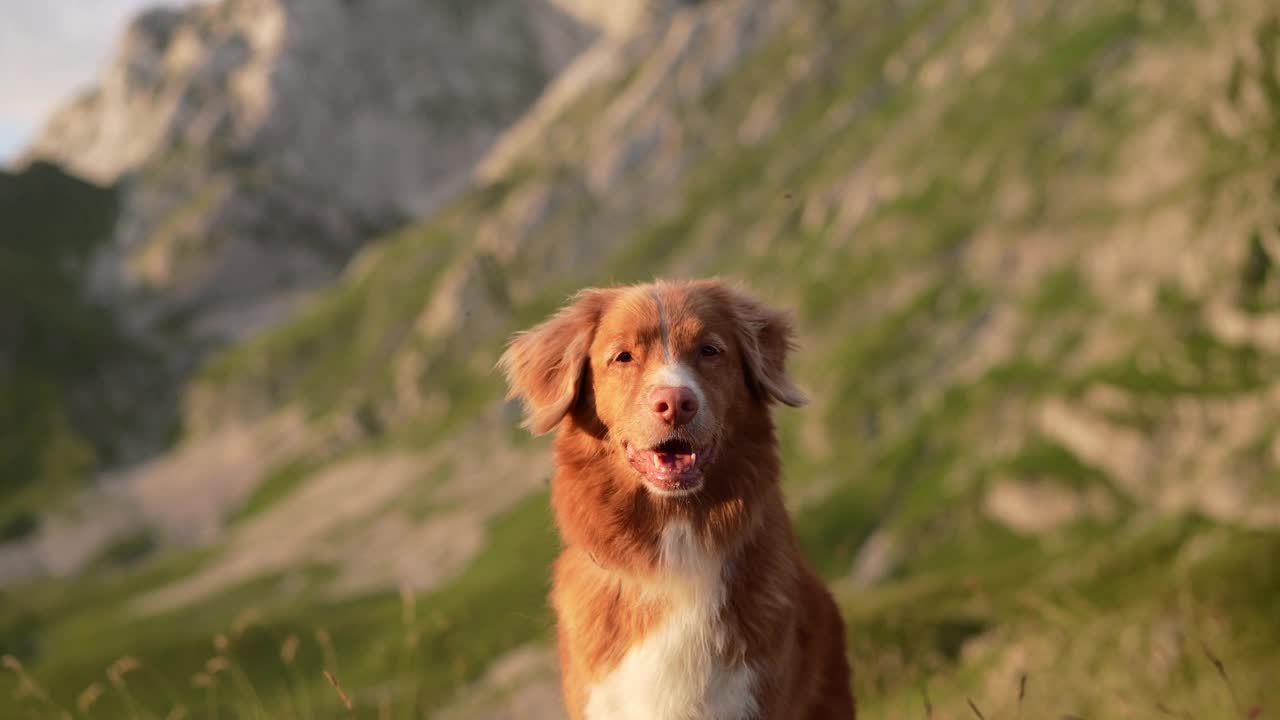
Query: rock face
[[260, 142], [250, 147]]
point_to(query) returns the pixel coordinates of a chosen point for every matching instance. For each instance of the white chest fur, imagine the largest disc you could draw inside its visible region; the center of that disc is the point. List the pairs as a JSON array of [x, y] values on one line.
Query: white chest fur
[[676, 672]]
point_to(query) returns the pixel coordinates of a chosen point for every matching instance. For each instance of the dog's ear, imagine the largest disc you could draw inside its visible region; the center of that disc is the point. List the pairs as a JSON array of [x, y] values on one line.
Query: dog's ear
[[544, 365], [766, 335]]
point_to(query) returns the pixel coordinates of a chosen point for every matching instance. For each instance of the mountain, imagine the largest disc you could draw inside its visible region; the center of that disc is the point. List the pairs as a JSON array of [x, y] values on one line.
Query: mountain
[[1032, 249], [262, 141], [247, 149], [256, 144]]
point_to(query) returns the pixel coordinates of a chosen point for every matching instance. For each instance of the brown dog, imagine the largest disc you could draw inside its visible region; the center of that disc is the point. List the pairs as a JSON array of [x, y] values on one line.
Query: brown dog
[[681, 593]]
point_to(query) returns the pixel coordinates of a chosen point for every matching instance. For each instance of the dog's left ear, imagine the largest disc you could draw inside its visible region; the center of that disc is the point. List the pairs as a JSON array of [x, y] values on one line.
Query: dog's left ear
[[766, 335], [544, 365]]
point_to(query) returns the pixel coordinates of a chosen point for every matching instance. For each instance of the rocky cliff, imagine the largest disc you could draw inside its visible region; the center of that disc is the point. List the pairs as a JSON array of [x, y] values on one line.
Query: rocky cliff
[[258, 143], [251, 147]]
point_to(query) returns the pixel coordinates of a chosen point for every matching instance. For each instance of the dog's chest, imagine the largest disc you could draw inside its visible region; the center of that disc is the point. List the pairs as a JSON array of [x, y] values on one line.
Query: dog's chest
[[678, 671]]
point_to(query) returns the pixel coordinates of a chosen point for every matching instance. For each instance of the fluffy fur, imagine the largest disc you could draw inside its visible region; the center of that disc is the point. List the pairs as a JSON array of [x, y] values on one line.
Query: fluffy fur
[[681, 593]]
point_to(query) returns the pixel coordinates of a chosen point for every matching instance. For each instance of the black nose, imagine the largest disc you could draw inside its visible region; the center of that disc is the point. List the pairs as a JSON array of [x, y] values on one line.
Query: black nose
[[675, 405]]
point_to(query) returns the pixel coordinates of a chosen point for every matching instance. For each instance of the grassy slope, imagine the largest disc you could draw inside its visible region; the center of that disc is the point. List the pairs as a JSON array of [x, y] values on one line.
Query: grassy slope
[[415, 650], [1107, 615]]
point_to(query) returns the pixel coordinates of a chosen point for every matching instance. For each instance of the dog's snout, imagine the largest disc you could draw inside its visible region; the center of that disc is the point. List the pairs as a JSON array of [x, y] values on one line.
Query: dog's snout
[[675, 405]]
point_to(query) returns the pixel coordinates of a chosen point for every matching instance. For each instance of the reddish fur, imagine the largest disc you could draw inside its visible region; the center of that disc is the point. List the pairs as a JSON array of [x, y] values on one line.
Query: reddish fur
[[778, 615]]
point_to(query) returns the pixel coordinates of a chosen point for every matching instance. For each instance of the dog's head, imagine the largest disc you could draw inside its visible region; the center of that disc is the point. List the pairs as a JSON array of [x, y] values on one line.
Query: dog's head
[[664, 374]]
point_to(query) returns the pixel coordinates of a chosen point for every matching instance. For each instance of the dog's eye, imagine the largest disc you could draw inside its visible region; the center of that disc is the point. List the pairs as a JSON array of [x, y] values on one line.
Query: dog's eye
[[710, 351], [622, 357]]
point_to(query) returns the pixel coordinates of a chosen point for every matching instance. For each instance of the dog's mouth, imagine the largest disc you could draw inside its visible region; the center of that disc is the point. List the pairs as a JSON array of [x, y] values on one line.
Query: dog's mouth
[[672, 467]]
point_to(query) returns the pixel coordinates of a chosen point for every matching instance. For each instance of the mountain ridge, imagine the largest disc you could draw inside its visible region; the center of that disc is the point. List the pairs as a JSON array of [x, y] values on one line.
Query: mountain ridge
[[245, 184]]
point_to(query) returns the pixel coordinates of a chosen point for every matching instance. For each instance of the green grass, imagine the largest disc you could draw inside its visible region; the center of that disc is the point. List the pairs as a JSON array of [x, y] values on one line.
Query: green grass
[[1040, 457], [497, 604], [1062, 290], [279, 482], [123, 552], [925, 627], [1206, 367], [1070, 631], [374, 311]]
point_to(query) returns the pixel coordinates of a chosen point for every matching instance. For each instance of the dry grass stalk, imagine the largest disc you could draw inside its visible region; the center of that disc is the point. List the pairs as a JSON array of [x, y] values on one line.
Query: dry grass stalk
[[88, 697], [244, 621], [1226, 680], [408, 606], [325, 641], [289, 649], [27, 687], [1022, 693], [1165, 710], [120, 668], [346, 701]]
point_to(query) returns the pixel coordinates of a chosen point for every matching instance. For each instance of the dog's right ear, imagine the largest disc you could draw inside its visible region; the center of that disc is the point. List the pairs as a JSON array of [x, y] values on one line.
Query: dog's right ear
[[544, 365]]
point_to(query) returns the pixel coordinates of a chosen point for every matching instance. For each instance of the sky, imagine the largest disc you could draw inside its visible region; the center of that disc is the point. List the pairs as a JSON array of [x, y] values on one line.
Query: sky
[[50, 50]]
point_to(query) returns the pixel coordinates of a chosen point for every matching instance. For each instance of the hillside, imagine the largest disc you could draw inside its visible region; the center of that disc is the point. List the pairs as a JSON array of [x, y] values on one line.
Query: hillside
[[1032, 247]]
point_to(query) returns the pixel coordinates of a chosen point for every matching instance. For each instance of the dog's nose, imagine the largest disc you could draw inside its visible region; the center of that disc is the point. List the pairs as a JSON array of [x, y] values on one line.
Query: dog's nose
[[675, 405]]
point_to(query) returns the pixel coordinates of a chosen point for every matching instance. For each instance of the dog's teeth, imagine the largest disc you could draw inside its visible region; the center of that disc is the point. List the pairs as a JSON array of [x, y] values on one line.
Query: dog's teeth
[[657, 460]]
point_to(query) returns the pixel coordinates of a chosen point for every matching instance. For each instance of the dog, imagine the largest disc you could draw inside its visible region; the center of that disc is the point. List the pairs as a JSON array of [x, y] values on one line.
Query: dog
[[680, 592]]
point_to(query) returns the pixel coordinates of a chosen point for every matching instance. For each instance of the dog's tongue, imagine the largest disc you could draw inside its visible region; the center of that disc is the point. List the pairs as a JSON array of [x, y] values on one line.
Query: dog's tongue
[[669, 466], [671, 463]]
